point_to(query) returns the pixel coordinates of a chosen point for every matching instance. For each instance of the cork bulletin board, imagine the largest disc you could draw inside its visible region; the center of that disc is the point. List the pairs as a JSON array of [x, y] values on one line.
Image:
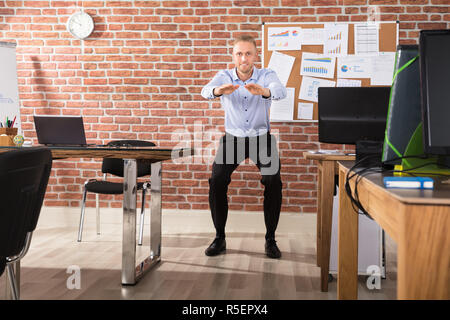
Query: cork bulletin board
[[387, 42]]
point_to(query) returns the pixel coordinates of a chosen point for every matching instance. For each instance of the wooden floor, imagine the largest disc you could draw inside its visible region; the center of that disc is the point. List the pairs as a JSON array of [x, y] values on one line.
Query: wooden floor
[[184, 272]]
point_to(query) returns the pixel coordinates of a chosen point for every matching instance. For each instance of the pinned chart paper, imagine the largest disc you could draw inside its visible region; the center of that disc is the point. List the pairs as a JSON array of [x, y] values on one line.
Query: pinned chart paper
[[309, 88], [314, 36], [354, 67], [383, 69], [305, 111], [348, 83], [286, 38], [336, 39], [282, 64], [366, 39], [317, 65], [283, 109]]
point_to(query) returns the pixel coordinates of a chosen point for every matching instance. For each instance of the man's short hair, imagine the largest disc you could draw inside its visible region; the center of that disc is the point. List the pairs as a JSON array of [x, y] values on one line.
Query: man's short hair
[[245, 38]]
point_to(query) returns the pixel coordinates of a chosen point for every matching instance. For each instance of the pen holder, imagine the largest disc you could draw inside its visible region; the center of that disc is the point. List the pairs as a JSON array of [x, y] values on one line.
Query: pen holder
[[7, 136]]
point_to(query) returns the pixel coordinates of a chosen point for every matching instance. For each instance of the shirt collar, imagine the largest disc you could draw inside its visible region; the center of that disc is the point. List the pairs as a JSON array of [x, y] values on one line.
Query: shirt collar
[[253, 77]]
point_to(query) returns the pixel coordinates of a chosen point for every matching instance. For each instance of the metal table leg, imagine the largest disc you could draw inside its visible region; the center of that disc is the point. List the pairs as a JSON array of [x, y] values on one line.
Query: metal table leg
[[155, 214], [16, 269], [131, 273]]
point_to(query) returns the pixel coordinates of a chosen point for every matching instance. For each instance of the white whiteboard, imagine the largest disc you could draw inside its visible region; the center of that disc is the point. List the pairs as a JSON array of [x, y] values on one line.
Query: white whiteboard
[[9, 90]]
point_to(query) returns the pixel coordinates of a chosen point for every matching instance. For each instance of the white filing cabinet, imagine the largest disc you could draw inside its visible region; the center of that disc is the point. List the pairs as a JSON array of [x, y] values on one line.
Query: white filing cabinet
[[370, 243]]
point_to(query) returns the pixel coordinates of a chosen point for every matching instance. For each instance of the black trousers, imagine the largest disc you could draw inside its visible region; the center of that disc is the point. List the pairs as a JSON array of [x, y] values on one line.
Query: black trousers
[[262, 150]]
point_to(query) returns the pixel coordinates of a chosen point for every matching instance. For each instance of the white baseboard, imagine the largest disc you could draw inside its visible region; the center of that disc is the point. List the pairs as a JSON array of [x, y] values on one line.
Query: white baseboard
[[70, 216]]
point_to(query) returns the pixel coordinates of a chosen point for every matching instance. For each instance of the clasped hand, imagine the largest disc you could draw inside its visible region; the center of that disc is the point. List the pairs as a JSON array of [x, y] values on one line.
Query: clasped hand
[[253, 88]]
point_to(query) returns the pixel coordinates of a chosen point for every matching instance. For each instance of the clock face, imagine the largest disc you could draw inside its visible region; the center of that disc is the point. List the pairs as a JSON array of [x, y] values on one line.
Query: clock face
[[80, 25]]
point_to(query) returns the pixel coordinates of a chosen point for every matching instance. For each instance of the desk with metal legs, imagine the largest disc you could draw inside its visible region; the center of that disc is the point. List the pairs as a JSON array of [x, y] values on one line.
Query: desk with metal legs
[[131, 272]]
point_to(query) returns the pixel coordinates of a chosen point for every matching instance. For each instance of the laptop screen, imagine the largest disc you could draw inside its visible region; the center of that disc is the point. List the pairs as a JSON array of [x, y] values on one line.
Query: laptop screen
[[52, 130]]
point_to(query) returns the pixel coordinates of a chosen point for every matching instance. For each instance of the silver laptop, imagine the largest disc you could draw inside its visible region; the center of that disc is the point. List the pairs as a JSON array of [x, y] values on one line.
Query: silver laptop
[[63, 131]]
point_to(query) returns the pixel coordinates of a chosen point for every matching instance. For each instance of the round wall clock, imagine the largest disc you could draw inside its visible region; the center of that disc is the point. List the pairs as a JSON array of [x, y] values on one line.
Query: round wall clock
[[80, 25]]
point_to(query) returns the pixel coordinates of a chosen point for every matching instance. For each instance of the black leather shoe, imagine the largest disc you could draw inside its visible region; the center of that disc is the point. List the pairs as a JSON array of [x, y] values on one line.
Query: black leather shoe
[[216, 247], [272, 250]]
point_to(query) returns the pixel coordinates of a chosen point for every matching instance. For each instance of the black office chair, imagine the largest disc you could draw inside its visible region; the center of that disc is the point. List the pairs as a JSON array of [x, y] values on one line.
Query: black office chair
[[24, 176], [115, 167]]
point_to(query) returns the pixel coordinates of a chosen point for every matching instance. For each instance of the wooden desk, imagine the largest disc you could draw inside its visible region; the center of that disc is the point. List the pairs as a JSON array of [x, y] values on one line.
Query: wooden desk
[[131, 272], [327, 169], [417, 220]]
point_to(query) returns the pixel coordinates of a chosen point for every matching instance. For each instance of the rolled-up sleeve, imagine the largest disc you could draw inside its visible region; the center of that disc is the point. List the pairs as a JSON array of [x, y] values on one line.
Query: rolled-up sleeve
[[277, 89], [219, 79]]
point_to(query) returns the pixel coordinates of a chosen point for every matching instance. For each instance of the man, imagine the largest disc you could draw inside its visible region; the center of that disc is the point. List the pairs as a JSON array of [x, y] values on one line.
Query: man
[[246, 94]]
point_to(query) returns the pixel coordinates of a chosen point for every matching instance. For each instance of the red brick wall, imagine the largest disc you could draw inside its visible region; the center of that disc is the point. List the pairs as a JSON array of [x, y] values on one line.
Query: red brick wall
[[140, 74]]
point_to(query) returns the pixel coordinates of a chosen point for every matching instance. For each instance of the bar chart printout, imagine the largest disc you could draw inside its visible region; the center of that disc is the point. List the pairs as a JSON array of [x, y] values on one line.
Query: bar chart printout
[[336, 39], [317, 65], [285, 38]]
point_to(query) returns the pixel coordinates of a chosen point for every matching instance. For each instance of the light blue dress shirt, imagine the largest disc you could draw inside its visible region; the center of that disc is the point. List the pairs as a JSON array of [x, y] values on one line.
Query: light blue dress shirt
[[246, 115]]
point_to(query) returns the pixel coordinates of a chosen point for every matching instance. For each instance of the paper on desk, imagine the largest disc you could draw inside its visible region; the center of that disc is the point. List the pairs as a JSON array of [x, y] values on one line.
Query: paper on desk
[[305, 111], [282, 64], [353, 66], [314, 36], [309, 88], [366, 39], [335, 152], [283, 109], [336, 39], [348, 83], [286, 38], [317, 65], [383, 69]]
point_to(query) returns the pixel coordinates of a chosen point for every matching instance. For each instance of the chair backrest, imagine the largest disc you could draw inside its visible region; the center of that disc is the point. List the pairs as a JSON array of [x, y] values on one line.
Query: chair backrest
[[24, 175], [115, 166]]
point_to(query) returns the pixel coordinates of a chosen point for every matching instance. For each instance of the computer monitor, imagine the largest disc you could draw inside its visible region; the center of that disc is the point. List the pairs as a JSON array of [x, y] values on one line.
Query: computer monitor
[[434, 48], [351, 114]]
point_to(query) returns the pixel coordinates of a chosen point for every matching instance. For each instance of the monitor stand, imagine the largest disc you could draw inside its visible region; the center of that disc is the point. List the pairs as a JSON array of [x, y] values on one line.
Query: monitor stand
[[433, 165], [365, 148]]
